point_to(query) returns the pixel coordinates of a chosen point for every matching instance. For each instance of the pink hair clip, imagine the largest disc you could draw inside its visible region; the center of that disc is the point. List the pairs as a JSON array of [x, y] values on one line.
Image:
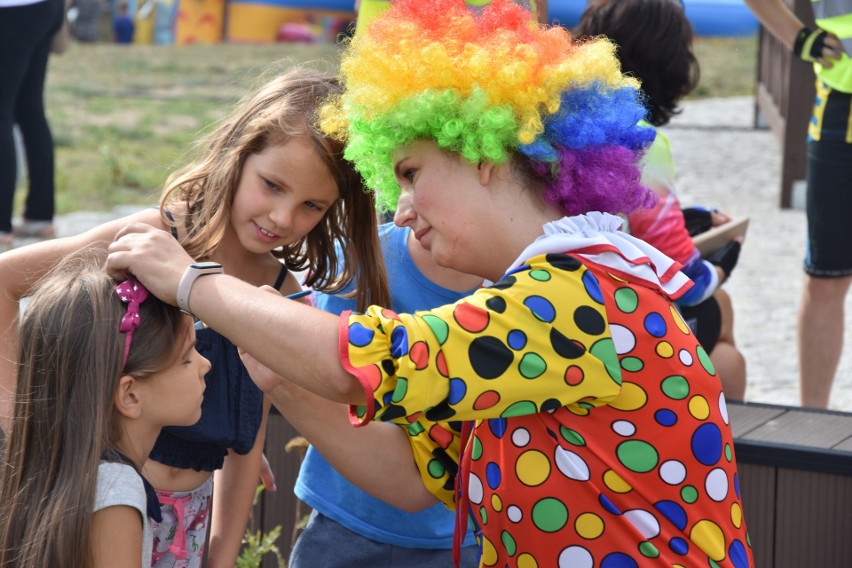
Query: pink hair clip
[[132, 293]]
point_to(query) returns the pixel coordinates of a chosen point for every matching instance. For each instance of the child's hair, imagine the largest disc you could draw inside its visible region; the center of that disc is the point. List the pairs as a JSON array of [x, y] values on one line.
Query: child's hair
[[654, 40], [280, 110], [69, 363], [493, 88]]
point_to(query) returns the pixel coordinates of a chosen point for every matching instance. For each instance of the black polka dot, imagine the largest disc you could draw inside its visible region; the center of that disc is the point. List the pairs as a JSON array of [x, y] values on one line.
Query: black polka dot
[[563, 262], [564, 346], [589, 320], [504, 283], [388, 367], [496, 304], [445, 460], [392, 412], [550, 405], [489, 357], [440, 412]]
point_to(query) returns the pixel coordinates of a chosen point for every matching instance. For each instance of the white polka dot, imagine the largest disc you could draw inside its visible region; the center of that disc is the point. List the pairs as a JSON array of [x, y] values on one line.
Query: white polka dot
[[685, 357], [723, 407], [645, 522], [575, 557], [474, 489], [622, 338], [673, 472], [514, 513], [623, 428], [716, 484], [571, 465], [521, 437]]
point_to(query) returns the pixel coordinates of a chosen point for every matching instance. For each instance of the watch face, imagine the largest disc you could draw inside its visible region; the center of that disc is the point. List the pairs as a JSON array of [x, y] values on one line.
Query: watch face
[[203, 265]]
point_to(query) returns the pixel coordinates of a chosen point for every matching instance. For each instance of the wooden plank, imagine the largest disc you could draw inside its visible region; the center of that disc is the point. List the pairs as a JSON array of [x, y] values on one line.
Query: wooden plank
[[757, 484], [813, 520], [745, 417], [801, 427]]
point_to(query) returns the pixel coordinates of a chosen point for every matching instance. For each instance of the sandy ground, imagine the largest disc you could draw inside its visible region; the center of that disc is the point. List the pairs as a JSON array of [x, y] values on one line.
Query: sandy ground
[[724, 162]]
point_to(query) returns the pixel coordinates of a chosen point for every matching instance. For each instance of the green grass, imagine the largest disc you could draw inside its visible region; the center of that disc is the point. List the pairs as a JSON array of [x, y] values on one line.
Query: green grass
[[123, 117]]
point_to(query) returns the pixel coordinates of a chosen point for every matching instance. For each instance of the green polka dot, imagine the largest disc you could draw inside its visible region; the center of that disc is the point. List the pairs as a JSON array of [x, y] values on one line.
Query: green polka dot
[[637, 455], [648, 550], [627, 300], [415, 428], [361, 410], [586, 405], [549, 515], [483, 514], [509, 543], [476, 448], [604, 349], [572, 436], [532, 366], [729, 455], [704, 358], [632, 364], [712, 564], [436, 470], [689, 494], [439, 327], [401, 390], [540, 275], [520, 408], [675, 387]]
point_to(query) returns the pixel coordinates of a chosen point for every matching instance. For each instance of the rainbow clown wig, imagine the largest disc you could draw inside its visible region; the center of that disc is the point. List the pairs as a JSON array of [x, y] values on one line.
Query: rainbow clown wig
[[487, 87]]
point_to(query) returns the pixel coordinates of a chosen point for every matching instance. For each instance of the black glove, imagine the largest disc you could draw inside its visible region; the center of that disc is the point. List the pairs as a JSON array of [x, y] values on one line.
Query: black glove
[[725, 258], [809, 43], [697, 220]]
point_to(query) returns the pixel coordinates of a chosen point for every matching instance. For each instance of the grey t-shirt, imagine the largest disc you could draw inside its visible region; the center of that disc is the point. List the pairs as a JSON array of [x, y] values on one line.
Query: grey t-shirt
[[120, 484]]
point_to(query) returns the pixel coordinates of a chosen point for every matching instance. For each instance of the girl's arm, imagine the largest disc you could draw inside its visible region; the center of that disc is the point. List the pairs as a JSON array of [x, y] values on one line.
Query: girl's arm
[[234, 487], [117, 537], [377, 457], [21, 268], [294, 340]]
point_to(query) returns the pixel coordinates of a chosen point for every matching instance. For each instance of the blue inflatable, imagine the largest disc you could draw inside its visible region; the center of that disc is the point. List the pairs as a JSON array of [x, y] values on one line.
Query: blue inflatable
[[708, 17]]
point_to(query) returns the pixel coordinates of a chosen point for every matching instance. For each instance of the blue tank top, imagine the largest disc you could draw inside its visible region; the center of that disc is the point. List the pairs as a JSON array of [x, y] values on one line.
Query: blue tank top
[[231, 411]]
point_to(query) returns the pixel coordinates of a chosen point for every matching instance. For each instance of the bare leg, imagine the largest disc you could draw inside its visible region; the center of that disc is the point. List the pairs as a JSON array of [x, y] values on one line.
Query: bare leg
[[729, 362], [821, 322]]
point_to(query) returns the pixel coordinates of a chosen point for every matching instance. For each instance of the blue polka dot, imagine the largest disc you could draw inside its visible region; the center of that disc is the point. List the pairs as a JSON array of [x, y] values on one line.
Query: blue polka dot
[[399, 342], [655, 324], [738, 554], [458, 388], [737, 485], [707, 444], [679, 546], [673, 512], [541, 308], [618, 560], [608, 505], [493, 475], [517, 339], [360, 336], [497, 426], [593, 287], [665, 417]]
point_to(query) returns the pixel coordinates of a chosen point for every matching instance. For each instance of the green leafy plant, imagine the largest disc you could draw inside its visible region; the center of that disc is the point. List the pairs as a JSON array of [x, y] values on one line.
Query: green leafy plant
[[257, 544]]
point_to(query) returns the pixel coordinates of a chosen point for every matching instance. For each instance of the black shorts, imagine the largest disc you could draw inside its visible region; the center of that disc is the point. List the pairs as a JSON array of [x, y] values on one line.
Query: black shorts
[[829, 194], [705, 321]]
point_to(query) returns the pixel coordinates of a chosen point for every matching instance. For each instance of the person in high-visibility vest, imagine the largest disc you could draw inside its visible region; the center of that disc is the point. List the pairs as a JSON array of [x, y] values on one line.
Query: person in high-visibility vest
[[828, 261]]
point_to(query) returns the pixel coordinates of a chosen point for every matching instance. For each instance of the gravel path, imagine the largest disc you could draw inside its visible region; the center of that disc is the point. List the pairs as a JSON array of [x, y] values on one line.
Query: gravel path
[[723, 162]]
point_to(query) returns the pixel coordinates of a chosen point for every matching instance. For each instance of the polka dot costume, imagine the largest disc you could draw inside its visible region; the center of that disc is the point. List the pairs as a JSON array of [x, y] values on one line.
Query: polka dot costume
[[601, 437]]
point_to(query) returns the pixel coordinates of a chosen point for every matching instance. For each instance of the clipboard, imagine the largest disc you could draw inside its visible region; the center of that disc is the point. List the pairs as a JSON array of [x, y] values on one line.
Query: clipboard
[[717, 237]]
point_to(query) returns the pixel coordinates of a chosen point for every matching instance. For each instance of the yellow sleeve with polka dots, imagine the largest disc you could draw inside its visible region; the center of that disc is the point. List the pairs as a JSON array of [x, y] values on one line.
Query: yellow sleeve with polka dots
[[534, 341]]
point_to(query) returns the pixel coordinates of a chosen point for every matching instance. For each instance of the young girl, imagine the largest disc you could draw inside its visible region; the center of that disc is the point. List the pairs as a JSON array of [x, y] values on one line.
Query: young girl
[[593, 428], [101, 369], [269, 194]]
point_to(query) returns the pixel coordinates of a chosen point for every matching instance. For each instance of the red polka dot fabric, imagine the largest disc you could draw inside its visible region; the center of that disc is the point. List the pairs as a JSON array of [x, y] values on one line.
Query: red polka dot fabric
[[601, 436]]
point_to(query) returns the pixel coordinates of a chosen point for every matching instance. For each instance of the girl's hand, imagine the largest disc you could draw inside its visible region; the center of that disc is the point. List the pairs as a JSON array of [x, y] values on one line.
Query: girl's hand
[[153, 256]]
